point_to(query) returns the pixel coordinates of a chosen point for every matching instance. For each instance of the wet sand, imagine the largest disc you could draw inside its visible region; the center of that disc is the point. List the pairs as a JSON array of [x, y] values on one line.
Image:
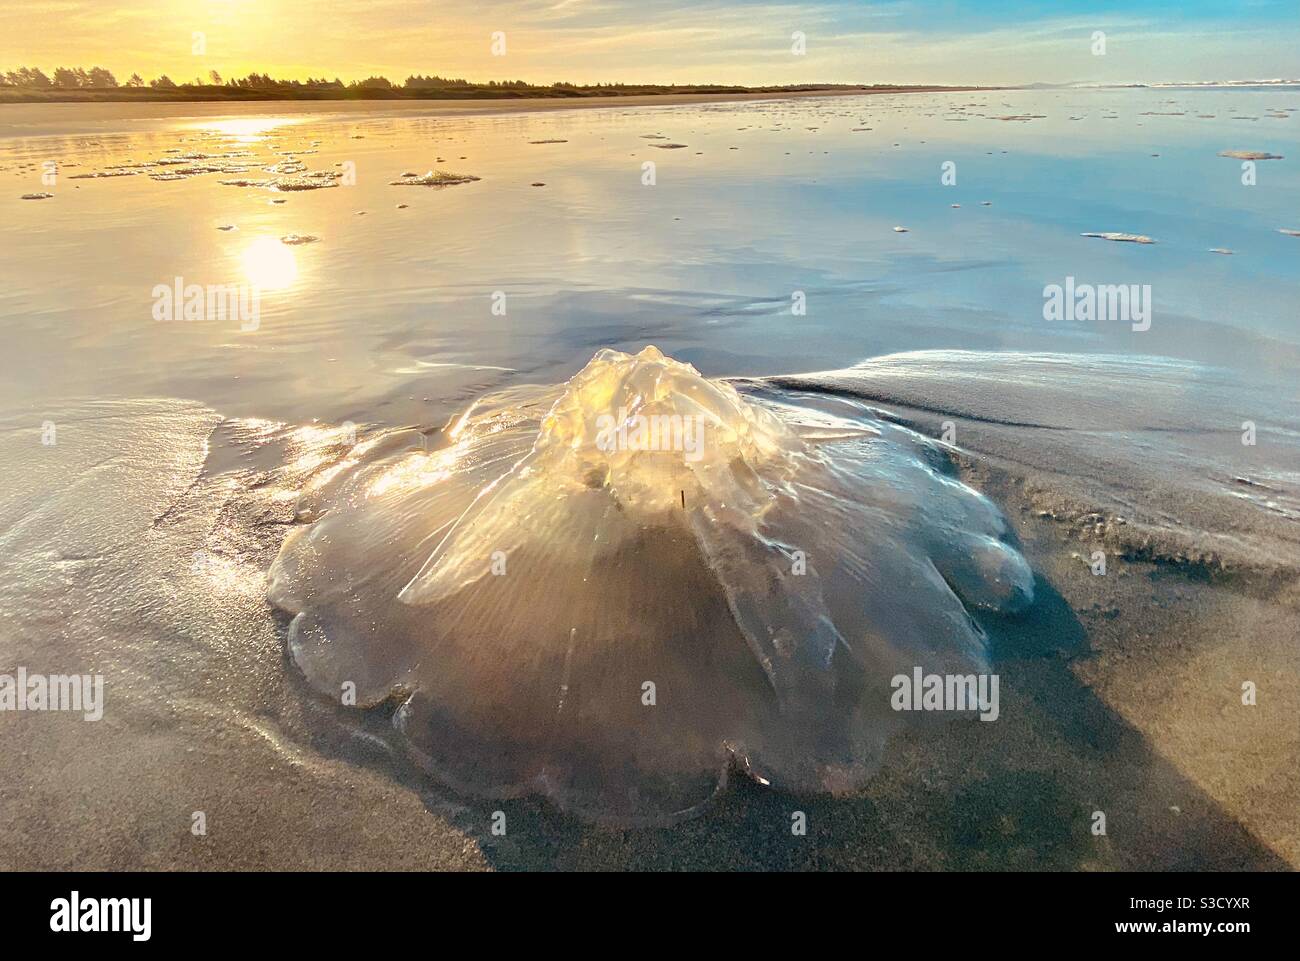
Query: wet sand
[[69, 117], [140, 550], [1120, 694]]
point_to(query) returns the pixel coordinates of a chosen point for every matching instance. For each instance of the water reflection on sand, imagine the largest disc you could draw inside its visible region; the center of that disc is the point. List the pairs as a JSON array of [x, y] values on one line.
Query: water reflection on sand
[[503, 281]]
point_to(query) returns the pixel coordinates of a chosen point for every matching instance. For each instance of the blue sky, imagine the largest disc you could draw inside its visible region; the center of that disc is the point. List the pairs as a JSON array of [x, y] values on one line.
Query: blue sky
[[684, 41]]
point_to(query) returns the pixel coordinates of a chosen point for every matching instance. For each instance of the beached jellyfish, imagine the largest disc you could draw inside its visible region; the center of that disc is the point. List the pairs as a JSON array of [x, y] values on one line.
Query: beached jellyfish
[[614, 591]]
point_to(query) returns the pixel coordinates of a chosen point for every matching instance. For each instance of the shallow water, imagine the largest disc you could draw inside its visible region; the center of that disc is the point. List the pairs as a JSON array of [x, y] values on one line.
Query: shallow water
[[393, 306], [148, 530]]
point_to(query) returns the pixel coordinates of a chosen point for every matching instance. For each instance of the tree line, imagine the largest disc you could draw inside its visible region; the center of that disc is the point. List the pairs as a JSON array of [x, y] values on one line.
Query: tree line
[[65, 78], [98, 78]]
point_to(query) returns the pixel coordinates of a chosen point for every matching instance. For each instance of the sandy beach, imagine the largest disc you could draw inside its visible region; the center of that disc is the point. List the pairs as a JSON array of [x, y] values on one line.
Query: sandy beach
[[72, 117], [1104, 708], [155, 465]]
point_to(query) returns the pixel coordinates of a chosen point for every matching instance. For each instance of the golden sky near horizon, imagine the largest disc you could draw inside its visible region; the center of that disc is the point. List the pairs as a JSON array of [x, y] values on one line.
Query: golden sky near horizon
[[637, 41]]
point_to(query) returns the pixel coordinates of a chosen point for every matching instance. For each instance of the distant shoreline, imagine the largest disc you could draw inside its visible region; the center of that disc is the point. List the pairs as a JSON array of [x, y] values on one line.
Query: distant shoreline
[[557, 96], [486, 96]]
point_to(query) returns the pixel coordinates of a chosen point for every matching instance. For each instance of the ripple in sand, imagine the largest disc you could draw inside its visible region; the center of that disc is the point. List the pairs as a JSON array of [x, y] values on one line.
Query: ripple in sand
[[1121, 238], [547, 141], [668, 146], [433, 178], [103, 174], [1250, 155]]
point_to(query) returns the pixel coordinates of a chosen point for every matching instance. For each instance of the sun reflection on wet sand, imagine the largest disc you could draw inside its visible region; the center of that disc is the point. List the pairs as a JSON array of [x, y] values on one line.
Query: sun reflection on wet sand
[[246, 129], [269, 264], [417, 470]]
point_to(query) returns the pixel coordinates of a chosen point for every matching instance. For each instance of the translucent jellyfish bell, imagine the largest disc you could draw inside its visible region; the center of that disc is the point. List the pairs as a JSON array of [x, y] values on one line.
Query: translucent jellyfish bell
[[614, 591]]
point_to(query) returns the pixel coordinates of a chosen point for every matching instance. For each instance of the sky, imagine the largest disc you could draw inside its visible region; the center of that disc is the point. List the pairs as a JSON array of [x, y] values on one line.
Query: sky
[[664, 41]]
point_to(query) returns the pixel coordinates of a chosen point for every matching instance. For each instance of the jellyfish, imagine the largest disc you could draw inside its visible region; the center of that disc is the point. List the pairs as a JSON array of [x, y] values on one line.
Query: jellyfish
[[618, 591]]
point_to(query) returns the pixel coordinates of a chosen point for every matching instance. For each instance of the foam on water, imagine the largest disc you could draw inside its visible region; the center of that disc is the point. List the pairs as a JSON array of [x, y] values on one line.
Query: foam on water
[[521, 578]]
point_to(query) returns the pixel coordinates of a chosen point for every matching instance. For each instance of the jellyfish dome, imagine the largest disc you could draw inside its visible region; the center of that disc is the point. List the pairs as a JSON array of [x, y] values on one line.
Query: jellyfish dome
[[615, 591]]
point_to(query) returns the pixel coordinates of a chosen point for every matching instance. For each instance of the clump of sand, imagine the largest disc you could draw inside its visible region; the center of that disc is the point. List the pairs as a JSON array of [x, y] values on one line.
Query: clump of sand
[[101, 174], [1250, 155], [433, 178], [316, 180], [1120, 237]]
